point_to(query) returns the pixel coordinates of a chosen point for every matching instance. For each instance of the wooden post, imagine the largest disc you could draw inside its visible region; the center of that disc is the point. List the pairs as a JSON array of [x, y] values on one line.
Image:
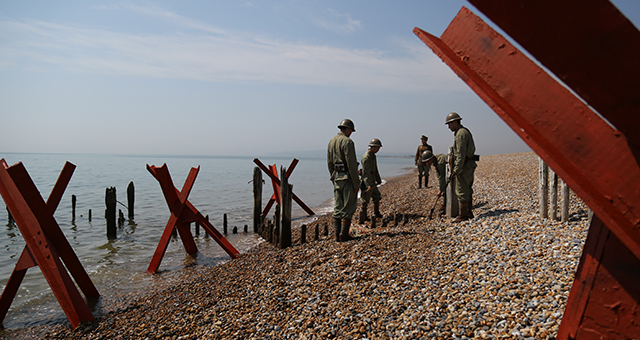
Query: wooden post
[[130, 198], [110, 212], [73, 208], [326, 229], [317, 232], [120, 218], [543, 188], [373, 221], [206, 235], [89, 215], [197, 228], [10, 218], [553, 195], [257, 198], [564, 215], [246, 228], [451, 204], [286, 190], [303, 234], [235, 229], [224, 224]]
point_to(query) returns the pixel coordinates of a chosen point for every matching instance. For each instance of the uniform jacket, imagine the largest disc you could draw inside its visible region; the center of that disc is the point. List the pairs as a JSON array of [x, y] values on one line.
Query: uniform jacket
[[439, 163], [342, 150], [370, 174], [463, 150], [421, 149]]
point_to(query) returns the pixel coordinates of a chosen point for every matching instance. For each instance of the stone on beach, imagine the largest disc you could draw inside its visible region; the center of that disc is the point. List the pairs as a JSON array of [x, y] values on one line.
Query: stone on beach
[[505, 274]]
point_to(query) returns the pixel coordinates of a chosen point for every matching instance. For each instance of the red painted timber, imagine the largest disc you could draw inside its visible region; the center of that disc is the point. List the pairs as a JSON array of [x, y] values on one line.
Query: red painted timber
[[592, 157], [594, 50], [46, 244], [182, 214]]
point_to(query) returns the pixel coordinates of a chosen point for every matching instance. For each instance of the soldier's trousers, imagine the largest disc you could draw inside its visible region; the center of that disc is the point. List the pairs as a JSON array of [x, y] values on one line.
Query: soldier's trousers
[[423, 170], [346, 200], [374, 193], [464, 184]]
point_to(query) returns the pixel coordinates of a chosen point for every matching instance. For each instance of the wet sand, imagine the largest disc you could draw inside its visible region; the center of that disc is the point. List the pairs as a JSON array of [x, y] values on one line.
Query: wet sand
[[505, 274]]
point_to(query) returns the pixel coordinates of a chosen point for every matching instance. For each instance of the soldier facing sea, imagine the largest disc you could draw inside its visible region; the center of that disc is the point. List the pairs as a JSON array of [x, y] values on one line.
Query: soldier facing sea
[[343, 167], [464, 165], [423, 169], [370, 180]]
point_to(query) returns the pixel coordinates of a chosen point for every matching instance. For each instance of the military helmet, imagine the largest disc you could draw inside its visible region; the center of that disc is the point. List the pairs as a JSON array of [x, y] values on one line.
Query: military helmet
[[427, 155], [375, 142], [424, 137], [347, 123], [453, 116]]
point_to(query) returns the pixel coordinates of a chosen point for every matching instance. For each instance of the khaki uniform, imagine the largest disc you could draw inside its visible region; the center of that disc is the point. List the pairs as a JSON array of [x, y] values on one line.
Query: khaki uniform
[[370, 178], [463, 164], [423, 170], [439, 163], [342, 151]]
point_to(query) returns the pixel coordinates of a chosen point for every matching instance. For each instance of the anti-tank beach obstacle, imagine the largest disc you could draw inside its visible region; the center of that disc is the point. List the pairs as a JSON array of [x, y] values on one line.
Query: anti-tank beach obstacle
[[182, 214], [46, 245], [598, 159]]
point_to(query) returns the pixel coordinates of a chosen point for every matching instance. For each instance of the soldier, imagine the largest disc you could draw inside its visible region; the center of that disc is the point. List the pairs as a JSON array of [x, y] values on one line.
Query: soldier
[[370, 180], [439, 162], [464, 165], [423, 170], [343, 167]]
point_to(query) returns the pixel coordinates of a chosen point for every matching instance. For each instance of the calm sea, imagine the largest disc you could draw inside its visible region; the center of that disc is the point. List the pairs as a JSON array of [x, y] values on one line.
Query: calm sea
[[117, 267]]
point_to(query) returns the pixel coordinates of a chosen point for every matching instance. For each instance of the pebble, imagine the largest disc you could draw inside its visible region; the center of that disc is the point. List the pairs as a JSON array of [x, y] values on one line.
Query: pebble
[[505, 274]]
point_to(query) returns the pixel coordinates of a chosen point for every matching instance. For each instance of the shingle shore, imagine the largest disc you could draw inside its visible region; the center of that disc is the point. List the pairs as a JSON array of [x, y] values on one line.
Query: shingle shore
[[504, 275]]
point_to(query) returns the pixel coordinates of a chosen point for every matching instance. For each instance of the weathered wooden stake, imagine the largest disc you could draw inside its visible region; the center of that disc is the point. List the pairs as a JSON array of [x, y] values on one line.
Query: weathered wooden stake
[[246, 228], [110, 212], [373, 221], [286, 190], [206, 235], [235, 229], [317, 232], [89, 215], [564, 211], [120, 218], [73, 208], [303, 234], [543, 188], [257, 198], [326, 229], [130, 199], [553, 195], [197, 229], [224, 224]]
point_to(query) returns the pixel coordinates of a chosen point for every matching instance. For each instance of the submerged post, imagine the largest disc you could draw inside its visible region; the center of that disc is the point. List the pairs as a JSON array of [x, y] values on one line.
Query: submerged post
[[285, 190], [73, 207], [110, 212], [257, 198], [553, 195], [130, 199]]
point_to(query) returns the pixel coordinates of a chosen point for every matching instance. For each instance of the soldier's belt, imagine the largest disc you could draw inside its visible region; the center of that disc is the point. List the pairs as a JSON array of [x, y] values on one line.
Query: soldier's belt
[[340, 167]]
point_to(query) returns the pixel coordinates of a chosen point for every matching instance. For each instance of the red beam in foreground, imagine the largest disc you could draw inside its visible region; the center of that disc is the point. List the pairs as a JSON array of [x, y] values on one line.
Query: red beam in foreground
[[594, 158], [588, 44]]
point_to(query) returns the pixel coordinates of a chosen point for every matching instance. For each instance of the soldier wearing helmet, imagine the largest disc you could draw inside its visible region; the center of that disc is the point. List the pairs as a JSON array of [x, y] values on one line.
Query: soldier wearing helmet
[[439, 162], [343, 167], [463, 166], [423, 169], [370, 180]]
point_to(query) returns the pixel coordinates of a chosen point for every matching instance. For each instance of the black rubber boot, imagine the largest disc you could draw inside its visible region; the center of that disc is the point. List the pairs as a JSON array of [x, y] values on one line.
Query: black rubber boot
[[462, 215], [337, 225], [419, 182], [363, 215], [376, 209], [344, 235]]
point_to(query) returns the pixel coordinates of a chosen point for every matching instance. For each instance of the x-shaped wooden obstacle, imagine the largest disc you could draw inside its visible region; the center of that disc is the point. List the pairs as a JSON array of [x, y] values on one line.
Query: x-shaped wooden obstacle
[[272, 172], [46, 244], [182, 214]]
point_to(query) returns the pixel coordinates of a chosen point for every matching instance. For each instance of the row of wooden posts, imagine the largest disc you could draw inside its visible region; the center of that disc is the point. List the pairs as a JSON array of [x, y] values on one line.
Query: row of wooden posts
[[548, 185]]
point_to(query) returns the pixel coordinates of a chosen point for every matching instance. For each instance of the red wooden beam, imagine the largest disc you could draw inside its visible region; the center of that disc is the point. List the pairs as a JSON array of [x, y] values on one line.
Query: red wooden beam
[[182, 214], [588, 44], [594, 158], [46, 244], [590, 155]]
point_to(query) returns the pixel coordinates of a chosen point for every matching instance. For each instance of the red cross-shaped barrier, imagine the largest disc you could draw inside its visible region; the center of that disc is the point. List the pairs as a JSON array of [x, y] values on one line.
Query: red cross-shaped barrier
[[182, 214], [272, 172], [46, 244]]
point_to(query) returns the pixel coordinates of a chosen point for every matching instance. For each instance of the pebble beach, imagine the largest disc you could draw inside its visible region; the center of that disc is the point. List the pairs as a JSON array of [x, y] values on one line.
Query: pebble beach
[[505, 274]]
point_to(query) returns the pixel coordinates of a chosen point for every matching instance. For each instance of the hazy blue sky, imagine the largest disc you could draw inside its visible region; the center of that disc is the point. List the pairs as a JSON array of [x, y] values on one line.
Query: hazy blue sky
[[232, 77]]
